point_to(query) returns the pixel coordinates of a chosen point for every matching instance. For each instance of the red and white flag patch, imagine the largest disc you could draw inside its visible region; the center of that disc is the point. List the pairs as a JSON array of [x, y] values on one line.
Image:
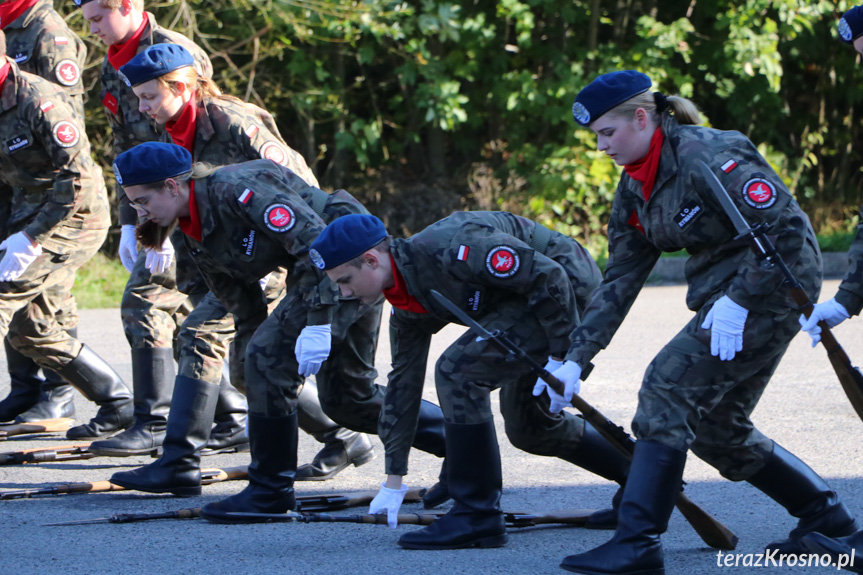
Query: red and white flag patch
[[66, 134], [45, 106], [462, 253], [246, 196], [60, 40], [728, 166]]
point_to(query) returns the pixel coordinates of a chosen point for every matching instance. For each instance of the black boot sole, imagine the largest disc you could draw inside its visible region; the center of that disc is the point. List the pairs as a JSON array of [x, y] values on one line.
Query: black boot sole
[[592, 572], [177, 491], [237, 448], [356, 462], [109, 452], [490, 542]]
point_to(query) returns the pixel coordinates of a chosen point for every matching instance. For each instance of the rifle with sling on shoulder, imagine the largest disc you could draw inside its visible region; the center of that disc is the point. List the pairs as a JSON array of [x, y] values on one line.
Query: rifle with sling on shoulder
[[208, 476], [849, 376], [714, 533], [60, 425]]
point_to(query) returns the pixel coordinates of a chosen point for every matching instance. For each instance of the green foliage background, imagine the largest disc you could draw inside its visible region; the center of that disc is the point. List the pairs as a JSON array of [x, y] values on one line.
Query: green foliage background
[[421, 107]]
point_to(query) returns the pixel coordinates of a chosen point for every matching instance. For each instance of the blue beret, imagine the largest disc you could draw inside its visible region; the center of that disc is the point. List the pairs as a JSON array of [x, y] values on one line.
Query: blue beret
[[151, 162], [156, 61], [81, 2], [606, 92], [346, 238], [851, 24]]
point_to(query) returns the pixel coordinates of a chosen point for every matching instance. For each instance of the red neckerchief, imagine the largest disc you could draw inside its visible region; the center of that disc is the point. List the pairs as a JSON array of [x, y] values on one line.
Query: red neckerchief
[[120, 54], [4, 71], [645, 169], [11, 10], [191, 226], [182, 130], [398, 295]]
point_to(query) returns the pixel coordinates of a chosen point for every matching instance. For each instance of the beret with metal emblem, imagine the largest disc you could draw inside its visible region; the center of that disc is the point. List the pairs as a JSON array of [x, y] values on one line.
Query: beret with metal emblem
[[151, 162], [346, 238], [606, 92], [156, 61], [851, 24]]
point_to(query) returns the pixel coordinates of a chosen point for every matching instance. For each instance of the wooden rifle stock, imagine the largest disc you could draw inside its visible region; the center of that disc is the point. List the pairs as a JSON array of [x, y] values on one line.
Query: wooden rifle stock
[[45, 426], [46, 454], [513, 519]]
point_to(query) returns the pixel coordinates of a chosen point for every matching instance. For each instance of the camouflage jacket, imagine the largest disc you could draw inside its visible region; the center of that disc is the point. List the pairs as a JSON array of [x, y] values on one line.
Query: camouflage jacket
[[682, 213], [129, 126], [479, 261], [228, 131], [256, 217], [41, 43], [850, 293], [45, 158]]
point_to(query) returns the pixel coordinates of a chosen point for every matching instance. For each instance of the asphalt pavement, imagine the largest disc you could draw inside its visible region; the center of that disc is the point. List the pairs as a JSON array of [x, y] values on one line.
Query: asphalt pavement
[[804, 409]]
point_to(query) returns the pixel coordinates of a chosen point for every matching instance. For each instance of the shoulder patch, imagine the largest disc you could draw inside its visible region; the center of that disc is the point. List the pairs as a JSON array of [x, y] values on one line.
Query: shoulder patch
[[67, 72], [759, 193], [66, 134], [273, 151], [16, 143], [728, 166], [251, 130], [502, 262], [279, 218], [246, 196], [45, 106], [21, 57], [463, 250], [61, 40]]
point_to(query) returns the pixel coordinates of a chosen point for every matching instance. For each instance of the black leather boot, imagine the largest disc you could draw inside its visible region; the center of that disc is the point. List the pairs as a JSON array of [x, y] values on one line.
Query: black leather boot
[[153, 376], [796, 487], [475, 483], [850, 546], [178, 470], [273, 444], [437, 494], [228, 435], [35, 394], [342, 447], [431, 438], [99, 383], [595, 454], [655, 479]]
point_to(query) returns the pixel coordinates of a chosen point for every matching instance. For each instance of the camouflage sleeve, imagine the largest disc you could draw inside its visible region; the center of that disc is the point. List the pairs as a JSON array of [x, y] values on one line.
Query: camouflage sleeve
[[850, 293], [630, 259], [410, 338], [61, 57], [762, 199], [271, 146], [57, 128]]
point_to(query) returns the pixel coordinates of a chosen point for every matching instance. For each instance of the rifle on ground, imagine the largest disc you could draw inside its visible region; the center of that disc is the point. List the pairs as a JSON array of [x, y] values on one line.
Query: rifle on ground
[[305, 503], [849, 376], [60, 425], [714, 533], [45, 454], [208, 476]]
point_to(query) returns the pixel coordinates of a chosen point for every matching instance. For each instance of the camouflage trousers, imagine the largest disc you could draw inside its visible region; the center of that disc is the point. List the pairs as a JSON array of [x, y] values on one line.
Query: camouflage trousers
[[469, 370], [36, 309], [690, 399], [346, 380]]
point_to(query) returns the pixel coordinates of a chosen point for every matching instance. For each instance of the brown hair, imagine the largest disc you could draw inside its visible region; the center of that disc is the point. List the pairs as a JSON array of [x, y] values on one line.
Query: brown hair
[[382, 246], [115, 4], [2, 45], [684, 110], [204, 87]]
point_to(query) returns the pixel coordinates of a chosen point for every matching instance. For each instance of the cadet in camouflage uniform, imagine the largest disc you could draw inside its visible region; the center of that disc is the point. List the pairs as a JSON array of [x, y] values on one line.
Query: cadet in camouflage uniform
[[216, 130], [848, 301], [242, 222], [700, 390], [510, 274], [59, 219], [41, 43]]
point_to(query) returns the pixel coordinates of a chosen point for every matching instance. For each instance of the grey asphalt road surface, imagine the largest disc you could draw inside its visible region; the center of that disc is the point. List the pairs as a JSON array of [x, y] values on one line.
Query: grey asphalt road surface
[[804, 409]]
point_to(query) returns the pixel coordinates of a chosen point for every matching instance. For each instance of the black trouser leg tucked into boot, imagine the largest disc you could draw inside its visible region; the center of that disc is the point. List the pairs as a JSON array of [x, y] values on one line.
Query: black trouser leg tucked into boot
[[99, 383], [653, 487], [342, 447], [273, 445], [178, 470], [796, 487], [430, 437], [229, 432], [595, 454], [152, 383], [850, 546], [475, 483]]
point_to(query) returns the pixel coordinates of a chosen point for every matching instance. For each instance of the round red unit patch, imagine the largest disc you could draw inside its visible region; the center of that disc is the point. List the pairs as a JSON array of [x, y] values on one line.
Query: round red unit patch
[[66, 134], [67, 72], [279, 218], [273, 151], [760, 194], [502, 261]]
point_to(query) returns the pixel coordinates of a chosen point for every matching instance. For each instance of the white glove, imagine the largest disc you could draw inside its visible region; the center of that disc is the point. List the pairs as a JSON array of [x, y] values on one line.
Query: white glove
[[128, 246], [158, 260], [313, 348], [389, 500], [569, 373], [264, 281], [830, 312], [725, 320], [20, 253]]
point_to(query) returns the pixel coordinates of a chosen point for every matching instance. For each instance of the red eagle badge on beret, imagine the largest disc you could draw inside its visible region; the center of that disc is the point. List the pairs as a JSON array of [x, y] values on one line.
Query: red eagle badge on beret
[[273, 151], [759, 193], [66, 134], [502, 262], [279, 218], [67, 72]]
